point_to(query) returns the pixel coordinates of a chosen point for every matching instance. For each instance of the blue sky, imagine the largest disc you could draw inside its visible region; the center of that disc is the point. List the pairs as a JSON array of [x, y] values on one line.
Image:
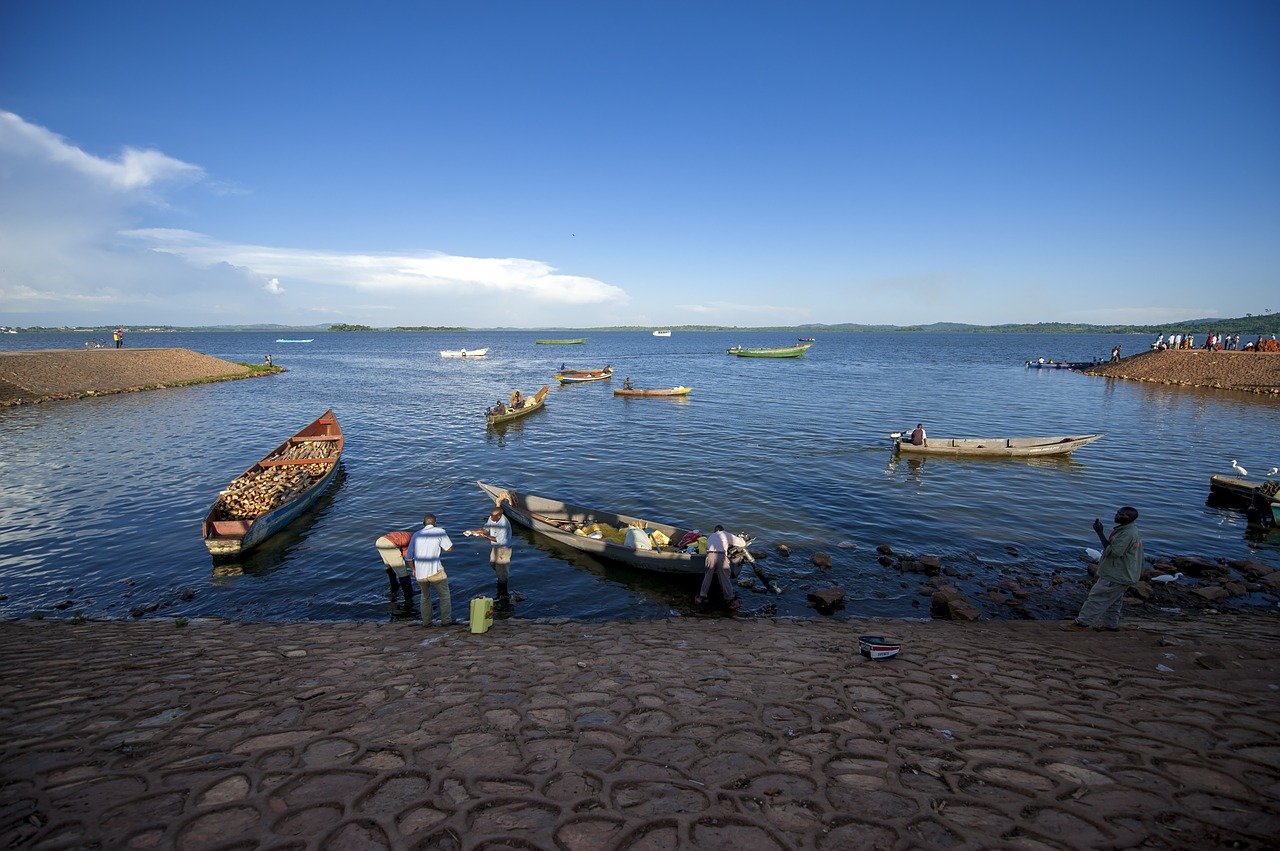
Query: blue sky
[[648, 163]]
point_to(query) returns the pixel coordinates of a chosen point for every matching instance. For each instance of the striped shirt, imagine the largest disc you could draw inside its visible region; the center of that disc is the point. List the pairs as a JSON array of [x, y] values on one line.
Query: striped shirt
[[424, 551]]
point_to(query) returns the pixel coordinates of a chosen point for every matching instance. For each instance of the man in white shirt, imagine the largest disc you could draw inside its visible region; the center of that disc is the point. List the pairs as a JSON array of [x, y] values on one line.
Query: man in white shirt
[[497, 531], [717, 563], [423, 556]]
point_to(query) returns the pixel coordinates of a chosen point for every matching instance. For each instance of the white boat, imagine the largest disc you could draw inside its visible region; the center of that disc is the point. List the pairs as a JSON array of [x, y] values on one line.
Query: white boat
[[463, 353], [664, 332], [296, 341]]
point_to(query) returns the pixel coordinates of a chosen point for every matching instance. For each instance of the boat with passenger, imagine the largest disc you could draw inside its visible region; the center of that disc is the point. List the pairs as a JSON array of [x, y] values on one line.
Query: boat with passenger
[[517, 406], [993, 447], [463, 353]]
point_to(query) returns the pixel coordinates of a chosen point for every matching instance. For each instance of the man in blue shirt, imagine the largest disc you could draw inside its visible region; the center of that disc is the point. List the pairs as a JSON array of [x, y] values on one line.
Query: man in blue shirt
[[423, 555], [497, 531]]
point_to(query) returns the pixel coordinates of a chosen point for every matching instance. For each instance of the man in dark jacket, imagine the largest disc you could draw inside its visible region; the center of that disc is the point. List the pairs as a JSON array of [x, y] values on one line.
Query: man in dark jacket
[[1118, 570]]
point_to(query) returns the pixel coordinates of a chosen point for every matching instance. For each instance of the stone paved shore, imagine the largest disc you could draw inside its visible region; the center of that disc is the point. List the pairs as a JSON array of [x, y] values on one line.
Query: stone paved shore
[[45, 375], [696, 732]]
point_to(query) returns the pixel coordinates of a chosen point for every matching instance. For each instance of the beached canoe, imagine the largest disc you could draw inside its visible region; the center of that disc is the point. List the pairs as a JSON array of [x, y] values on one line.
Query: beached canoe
[[275, 491], [782, 352], [670, 391], [994, 447], [579, 376], [579, 341], [526, 407], [463, 353], [561, 520]]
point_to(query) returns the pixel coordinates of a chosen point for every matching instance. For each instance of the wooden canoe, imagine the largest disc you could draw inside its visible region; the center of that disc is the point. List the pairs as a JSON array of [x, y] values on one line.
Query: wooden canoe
[[1264, 496], [671, 391], [463, 353], [528, 406], [782, 352], [302, 467], [558, 520], [994, 447], [1052, 365], [579, 341], [579, 376]]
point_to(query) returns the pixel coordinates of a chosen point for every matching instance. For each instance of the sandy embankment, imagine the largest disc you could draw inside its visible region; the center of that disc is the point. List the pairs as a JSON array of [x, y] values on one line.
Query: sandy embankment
[[40, 376], [689, 733], [1254, 372]]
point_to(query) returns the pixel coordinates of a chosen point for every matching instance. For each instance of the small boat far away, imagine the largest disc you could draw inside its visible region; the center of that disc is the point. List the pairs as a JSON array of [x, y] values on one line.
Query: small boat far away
[[637, 391], [807, 339], [1049, 364], [518, 406], [296, 341], [463, 353], [273, 492], [994, 447], [665, 332], [576, 342]]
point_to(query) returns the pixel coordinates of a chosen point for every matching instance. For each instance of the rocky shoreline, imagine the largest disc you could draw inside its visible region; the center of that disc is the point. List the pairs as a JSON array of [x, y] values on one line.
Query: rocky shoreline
[[1250, 372], [31, 377]]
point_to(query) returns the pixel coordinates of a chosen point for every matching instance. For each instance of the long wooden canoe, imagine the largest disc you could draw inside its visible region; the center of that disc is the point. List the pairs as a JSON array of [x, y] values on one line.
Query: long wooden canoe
[[275, 491], [578, 342], [782, 352], [636, 391], [558, 520], [994, 447], [1056, 365], [527, 407], [579, 376]]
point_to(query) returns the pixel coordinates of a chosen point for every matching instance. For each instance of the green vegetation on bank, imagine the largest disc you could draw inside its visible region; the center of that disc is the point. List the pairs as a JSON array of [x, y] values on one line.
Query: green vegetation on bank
[[1246, 326]]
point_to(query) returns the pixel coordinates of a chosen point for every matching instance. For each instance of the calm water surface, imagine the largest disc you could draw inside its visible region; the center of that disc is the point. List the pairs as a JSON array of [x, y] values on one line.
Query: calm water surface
[[105, 496]]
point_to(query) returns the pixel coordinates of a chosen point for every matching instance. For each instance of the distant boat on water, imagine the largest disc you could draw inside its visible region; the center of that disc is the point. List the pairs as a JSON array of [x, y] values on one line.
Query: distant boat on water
[[665, 332], [296, 341], [577, 342], [463, 353]]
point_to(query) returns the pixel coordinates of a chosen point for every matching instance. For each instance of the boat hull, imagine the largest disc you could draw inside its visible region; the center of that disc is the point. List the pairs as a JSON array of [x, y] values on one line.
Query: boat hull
[[577, 342], [997, 447], [673, 391], [534, 404], [581, 376], [544, 516], [784, 352], [1248, 494], [230, 537]]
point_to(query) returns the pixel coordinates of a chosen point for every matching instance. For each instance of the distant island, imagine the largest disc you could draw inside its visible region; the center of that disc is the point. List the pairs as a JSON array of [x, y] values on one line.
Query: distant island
[[1249, 325]]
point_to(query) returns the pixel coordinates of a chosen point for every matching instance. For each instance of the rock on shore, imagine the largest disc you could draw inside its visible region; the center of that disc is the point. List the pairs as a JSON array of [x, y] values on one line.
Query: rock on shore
[[38, 376], [1255, 372]]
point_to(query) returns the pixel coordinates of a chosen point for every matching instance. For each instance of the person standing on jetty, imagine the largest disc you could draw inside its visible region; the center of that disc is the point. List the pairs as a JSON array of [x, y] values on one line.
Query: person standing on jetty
[[423, 556], [393, 547], [717, 563], [497, 531], [1119, 569]]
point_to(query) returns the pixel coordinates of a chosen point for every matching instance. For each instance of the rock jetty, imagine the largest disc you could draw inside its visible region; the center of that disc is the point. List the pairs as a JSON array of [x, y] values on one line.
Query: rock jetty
[[40, 376], [1253, 372]]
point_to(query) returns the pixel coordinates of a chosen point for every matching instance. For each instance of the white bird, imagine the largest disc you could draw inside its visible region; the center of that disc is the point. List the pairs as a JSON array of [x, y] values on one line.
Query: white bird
[[1093, 555], [1166, 578], [1273, 471], [1241, 470]]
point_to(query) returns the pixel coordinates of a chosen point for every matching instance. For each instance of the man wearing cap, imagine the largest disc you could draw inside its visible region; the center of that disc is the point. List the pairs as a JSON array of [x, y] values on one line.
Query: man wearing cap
[[1119, 568]]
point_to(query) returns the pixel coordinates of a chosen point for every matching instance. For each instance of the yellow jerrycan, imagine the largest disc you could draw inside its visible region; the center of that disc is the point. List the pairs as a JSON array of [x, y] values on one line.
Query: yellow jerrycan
[[481, 614]]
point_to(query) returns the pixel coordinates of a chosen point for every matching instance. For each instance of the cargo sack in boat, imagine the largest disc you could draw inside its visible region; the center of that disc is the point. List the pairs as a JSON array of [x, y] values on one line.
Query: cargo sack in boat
[[637, 539], [481, 614]]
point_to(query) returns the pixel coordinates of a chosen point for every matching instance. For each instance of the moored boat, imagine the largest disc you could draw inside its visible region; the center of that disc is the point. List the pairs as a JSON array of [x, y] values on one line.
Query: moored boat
[[567, 524], [1036, 364], [994, 447], [1261, 497], [275, 491], [580, 376], [779, 352], [637, 391], [463, 353], [575, 342], [518, 407]]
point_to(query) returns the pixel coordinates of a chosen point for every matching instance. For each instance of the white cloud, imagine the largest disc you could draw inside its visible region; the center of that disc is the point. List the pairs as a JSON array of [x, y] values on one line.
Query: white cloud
[[133, 169], [273, 287], [417, 273]]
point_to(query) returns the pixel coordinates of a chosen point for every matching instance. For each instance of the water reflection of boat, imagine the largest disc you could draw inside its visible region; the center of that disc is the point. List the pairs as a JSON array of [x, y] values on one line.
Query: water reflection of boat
[[275, 491]]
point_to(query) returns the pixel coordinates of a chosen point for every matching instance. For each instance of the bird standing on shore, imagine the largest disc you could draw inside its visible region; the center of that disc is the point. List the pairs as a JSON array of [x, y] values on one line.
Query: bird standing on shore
[[1241, 470], [1273, 471], [1174, 577]]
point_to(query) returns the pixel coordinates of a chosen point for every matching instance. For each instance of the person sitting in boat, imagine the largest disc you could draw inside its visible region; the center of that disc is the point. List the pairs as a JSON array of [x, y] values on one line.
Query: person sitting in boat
[[517, 399], [627, 385], [918, 437], [498, 409]]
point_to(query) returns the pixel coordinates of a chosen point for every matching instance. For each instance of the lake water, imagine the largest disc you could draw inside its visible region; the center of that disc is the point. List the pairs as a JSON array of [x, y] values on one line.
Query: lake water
[[105, 496]]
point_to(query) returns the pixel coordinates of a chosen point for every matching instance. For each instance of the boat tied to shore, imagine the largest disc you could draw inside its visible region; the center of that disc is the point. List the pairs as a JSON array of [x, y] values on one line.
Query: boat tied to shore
[[518, 406], [993, 447], [646, 544], [463, 353], [777, 352], [1260, 500], [275, 491]]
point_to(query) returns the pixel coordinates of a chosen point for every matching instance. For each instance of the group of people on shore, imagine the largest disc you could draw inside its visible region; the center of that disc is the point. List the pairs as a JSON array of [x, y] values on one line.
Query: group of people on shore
[[1216, 343], [417, 557]]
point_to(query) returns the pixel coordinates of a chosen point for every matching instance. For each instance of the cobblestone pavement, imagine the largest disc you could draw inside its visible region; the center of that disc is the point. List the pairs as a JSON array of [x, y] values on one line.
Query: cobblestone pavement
[[697, 733]]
